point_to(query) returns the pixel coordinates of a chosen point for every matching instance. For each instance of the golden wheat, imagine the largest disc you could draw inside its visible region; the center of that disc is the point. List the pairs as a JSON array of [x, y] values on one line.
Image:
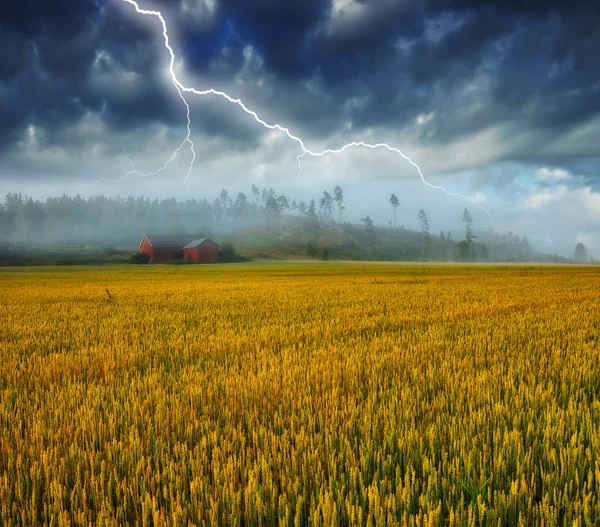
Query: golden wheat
[[300, 394]]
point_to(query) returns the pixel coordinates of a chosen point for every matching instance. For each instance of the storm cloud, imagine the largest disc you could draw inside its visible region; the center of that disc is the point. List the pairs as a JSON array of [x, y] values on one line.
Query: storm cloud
[[467, 87]]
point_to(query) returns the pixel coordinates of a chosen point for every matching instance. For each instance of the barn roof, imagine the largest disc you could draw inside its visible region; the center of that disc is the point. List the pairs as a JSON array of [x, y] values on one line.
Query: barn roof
[[170, 240], [196, 243]]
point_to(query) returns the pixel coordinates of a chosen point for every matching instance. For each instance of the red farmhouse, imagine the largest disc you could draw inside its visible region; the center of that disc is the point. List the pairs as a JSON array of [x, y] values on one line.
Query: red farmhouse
[[162, 248], [203, 250]]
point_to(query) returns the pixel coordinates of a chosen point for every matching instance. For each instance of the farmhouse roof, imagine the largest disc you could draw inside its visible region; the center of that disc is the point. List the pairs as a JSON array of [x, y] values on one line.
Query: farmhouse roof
[[170, 240], [197, 243], [178, 241]]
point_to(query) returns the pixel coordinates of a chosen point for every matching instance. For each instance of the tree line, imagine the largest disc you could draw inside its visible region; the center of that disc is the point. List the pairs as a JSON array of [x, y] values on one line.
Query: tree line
[[101, 219], [67, 219]]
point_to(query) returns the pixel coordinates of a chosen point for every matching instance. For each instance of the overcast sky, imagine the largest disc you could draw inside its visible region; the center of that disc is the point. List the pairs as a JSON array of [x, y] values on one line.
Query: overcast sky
[[494, 99]]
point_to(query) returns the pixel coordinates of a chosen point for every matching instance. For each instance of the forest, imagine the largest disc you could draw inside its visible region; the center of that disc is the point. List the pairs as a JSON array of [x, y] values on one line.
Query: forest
[[262, 224]]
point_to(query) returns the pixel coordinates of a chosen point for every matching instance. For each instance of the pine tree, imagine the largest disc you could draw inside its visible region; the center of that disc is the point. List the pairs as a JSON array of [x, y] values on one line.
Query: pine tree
[[326, 205], [394, 202], [425, 233], [338, 196], [468, 220]]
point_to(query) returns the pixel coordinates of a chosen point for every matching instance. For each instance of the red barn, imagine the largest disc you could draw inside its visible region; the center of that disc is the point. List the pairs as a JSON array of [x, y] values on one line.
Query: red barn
[[162, 248], [203, 250]]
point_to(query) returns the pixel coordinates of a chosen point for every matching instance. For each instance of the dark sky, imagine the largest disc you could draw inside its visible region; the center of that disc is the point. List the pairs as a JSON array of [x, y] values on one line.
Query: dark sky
[[498, 100]]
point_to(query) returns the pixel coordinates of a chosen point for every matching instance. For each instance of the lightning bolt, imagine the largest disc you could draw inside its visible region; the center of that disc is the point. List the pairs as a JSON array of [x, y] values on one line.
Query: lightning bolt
[[181, 90]]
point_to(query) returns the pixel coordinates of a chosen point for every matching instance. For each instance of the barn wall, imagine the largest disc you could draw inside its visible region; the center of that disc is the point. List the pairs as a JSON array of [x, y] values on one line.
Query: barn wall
[[146, 248], [206, 253], [189, 255], [209, 254]]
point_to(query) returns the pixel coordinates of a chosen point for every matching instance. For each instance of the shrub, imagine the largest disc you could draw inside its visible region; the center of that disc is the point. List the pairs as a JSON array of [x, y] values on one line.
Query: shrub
[[109, 250], [228, 254], [464, 251], [139, 258], [311, 250]]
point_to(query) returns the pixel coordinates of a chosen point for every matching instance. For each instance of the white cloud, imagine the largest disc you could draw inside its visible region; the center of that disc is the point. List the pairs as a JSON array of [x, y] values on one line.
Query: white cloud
[[404, 44], [538, 199], [198, 9], [556, 175], [423, 118], [559, 217], [109, 76], [479, 197], [31, 140], [252, 70], [346, 8], [437, 28]]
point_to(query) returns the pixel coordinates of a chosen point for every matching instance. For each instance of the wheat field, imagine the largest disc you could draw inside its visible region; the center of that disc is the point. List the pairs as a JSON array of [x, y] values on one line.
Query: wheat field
[[300, 394]]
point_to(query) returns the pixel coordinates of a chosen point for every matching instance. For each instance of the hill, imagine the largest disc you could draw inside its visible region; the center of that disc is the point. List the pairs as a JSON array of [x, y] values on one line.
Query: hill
[[295, 237]]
